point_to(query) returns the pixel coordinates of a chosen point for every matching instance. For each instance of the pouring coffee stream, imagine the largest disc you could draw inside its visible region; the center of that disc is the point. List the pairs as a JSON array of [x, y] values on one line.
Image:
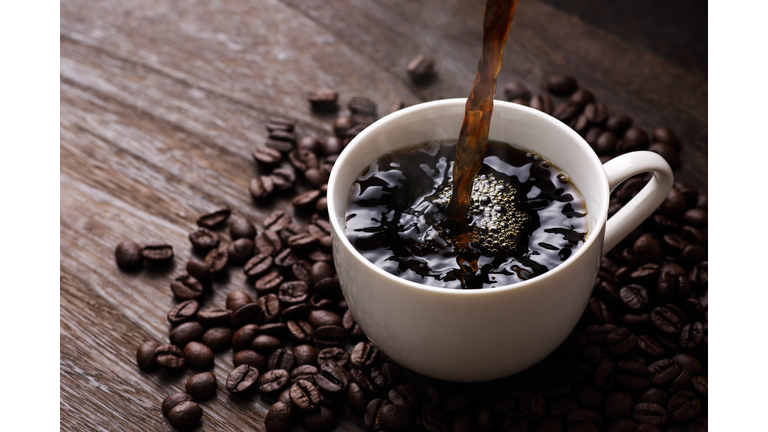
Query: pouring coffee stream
[[473, 137]]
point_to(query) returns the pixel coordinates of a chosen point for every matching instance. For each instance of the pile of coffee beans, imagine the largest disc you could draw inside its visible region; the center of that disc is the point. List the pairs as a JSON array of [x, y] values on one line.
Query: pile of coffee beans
[[636, 361]]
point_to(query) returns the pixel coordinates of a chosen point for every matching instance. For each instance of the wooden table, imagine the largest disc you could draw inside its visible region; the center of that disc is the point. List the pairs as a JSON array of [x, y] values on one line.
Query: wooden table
[[162, 103]]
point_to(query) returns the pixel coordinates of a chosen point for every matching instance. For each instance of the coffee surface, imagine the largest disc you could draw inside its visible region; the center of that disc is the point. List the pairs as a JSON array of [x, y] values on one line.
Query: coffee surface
[[525, 217]]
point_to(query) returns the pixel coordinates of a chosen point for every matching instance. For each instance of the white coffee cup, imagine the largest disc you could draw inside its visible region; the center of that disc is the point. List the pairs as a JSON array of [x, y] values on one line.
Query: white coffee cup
[[483, 334]]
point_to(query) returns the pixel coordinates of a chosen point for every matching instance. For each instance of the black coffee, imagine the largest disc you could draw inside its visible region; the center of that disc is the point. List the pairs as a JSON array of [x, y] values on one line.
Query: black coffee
[[525, 217]]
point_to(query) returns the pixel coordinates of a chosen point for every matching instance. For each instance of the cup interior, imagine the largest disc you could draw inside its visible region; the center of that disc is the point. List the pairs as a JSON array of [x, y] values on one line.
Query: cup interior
[[440, 120]]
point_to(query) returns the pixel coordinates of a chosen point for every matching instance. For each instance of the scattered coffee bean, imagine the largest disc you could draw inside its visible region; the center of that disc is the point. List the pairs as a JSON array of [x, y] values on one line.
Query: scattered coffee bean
[[562, 85], [649, 413], [250, 358], [274, 381], [198, 355], [185, 415], [169, 356], [183, 312], [242, 378], [214, 219], [128, 255], [279, 418], [323, 99], [216, 260], [421, 69], [186, 287], [145, 356], [185, 333], [157, 253], [217, 338], [174, 399], [201, 386], [240, 250], [281, 359]]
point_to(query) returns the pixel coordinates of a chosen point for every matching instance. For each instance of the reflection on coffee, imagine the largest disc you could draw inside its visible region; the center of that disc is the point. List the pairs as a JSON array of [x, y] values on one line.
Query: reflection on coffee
[[525, 217]]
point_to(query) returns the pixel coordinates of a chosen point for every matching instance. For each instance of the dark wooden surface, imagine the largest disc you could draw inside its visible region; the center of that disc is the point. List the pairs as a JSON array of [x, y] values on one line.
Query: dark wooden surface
[[162, 103]]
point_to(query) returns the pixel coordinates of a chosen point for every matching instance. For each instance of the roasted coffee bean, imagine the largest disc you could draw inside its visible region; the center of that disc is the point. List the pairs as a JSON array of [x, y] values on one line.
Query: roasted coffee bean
[[277, 220], [309, 143], [355, 399], [672, 288], [701, 384], [632, 375], [600, 312], [330, 336], [175, 399], [321, 270], [696, 217], [618, 123], [371, 417], [242, 378], [258, 265], [683, 406], [283, 146], [634, 139], [320, 420], [634, 296], [269, 283], [674, 244], [349, 324], [688, 362], [283, 177], [240, 250], [691, 335], [318, 302], [276, 329], [185, 415], [320, 318], [261, 187], [128, 255], [301, 331], [280, 123], [667, 136], [183, 312], [646, 273], [251, 358], [301, 270], [169, 356], [582, 97], [532, 405], [267, 156], [618, 405], [295, 312], [198, 355], [542, 103], [332, 378], [201, 386], [364, 355], [214, 219], [216, 260], [663, 372], [185, 333], [596, 113], [279, 418], [331, 145], [186, 287], [237, 299], [647, 249], [241, 228], [515, 90], [286, 258], [421, 69], [304, 372], [305, 202], [328, 287], [265, 343], [268, 243], [362, 105], [386, 376], [157, 253], [248, 313], [594, 354], [145, 356], [337, 355], [562, 85], [270, 308], [217, 338], [667, 152], [323, 99], [274, 381], [649, 413], [649, 346], [693, 254], [281, 359], [318, 255], [315, 177], [621, 341], [305, 355], [565, 112], [199, 271], [243, 337], [392, 417], [666, 320]]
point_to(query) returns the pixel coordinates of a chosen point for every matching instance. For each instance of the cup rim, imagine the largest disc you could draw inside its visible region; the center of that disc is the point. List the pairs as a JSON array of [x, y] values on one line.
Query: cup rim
[[584, 146]]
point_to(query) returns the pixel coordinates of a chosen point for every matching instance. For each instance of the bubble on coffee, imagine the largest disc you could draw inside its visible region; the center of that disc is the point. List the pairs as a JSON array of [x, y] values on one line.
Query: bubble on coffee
[[525, 217]]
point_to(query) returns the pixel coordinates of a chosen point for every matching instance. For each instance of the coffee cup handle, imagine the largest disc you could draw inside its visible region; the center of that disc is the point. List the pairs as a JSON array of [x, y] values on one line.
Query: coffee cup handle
[[645, 202]]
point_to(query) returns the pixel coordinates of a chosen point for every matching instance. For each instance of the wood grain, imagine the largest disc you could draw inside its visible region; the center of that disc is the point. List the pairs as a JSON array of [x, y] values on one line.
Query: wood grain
[[162, 103]]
